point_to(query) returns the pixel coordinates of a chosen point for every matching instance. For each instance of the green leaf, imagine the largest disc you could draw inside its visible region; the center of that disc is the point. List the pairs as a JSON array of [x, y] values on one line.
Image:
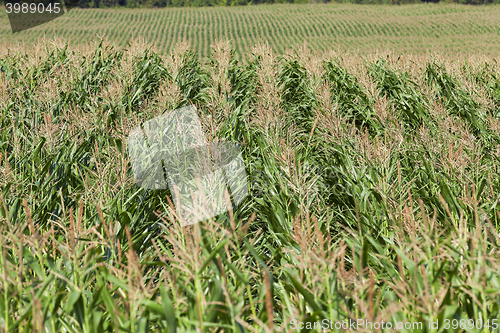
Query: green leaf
[[169, 311], [307, 295]]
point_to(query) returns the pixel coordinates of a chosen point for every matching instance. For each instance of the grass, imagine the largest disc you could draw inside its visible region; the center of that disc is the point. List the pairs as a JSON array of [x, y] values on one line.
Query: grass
[[373, 181], [448, 28]]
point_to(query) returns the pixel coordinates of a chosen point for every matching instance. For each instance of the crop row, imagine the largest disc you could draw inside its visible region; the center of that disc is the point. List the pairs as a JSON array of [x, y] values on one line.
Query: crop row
[[324, 27]]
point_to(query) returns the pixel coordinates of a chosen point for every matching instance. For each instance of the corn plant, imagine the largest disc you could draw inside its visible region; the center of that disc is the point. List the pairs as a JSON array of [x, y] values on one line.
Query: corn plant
[[350, 214]]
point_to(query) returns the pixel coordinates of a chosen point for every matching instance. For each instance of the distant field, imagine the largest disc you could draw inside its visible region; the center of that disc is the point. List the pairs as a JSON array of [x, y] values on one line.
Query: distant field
[[416, 28]]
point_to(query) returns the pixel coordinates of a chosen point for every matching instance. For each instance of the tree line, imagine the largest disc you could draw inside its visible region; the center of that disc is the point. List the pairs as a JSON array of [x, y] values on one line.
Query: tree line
[[203, 3]]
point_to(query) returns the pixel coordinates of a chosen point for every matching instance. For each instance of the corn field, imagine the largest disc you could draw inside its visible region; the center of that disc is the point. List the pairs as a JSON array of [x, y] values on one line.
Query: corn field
[[448, 28], [373, 179]]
